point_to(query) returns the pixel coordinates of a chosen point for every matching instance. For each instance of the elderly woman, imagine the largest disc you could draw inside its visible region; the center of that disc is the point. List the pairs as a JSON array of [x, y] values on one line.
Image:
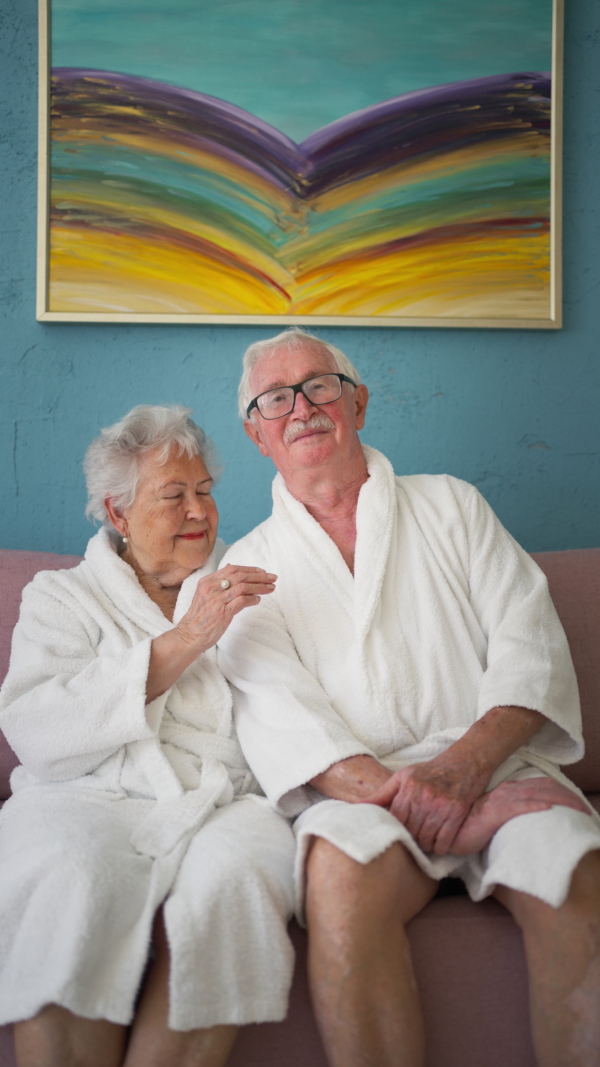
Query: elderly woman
[[134, 816]]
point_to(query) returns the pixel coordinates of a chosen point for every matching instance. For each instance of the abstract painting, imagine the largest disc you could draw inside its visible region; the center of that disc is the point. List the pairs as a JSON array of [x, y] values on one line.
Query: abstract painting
[[350, 162]]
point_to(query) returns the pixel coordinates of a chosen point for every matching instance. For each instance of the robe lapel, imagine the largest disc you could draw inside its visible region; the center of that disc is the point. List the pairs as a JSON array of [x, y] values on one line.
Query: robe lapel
[[375, 524], [116, 586], [309, 552]]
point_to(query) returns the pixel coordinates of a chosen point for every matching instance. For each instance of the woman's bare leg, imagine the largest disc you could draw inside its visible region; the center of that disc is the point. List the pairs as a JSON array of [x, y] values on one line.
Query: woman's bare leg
[[55, 1037], [362, 981], [152, 1044], [563, 954]]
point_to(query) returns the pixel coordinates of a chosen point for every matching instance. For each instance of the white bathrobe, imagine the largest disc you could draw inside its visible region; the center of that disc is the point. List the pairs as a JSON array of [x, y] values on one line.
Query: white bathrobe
[[445, 618], [120, 804]]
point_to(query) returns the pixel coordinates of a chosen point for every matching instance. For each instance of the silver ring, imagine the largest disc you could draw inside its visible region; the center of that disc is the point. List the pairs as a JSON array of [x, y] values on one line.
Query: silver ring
[[225, 584]]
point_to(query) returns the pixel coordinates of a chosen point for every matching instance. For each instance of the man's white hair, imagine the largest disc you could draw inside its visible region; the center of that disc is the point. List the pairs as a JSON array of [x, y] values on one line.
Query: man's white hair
[[111, 463], [294, 337]]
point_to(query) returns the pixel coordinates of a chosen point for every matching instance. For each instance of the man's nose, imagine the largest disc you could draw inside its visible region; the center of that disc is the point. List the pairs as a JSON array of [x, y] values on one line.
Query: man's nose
[[303, 408]]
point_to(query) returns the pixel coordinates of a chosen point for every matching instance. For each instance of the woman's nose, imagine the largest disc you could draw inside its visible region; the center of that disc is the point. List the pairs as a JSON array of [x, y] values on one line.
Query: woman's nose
[[196, 508]]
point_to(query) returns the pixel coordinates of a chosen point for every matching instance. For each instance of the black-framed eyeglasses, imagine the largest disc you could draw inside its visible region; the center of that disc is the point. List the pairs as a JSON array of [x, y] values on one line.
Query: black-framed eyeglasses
[[322, 389]]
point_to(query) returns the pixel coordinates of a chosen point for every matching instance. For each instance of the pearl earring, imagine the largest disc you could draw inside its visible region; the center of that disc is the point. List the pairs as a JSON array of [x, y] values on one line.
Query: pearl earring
[[125, 540]]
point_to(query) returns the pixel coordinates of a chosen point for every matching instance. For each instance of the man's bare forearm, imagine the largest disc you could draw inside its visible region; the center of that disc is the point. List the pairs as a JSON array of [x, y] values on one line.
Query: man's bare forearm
[[490, 741], [351, 779], [485, 745]]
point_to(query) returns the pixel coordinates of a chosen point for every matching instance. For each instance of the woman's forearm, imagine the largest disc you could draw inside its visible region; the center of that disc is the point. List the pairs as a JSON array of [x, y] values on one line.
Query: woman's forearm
[[170, 655], [218, 597]]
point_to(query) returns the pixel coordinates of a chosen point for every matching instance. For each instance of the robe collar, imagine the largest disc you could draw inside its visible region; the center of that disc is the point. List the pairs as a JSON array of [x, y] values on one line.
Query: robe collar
[[119, 583], [375, 526]]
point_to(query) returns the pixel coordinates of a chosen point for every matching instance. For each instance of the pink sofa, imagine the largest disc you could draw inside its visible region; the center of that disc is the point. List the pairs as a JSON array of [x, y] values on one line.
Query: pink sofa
[[468, 958]]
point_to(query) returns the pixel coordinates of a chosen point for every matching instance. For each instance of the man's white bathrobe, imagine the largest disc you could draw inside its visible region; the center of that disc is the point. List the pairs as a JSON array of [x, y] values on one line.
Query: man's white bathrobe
[[119, 805], [445, 618]]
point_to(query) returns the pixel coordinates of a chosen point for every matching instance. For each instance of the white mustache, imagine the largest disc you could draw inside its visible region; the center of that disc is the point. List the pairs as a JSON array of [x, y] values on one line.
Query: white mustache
[[318, 421]]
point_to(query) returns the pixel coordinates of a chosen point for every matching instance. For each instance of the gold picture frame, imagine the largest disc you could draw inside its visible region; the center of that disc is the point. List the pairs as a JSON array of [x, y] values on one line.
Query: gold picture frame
[[162, 204]]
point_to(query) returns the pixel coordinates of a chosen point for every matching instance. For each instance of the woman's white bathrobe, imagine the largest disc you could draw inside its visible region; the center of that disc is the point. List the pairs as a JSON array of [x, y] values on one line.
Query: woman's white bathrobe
[[445, 618], [119, 805]]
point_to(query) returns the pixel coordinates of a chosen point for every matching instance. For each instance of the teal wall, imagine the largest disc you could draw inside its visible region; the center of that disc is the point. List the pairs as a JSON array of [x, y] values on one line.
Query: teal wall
[[515, 412]]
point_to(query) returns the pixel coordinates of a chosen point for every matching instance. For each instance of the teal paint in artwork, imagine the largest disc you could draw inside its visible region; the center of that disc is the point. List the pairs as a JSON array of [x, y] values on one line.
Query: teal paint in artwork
[[301, 64]]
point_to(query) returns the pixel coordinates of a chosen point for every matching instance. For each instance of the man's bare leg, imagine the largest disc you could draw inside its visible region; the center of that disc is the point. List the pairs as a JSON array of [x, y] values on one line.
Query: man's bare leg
[[152, 1044], [563, 955], [362, 981], [55, 1037]]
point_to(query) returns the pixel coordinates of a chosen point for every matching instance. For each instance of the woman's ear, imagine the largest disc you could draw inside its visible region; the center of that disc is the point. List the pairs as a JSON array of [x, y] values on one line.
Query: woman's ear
[[115, 516]]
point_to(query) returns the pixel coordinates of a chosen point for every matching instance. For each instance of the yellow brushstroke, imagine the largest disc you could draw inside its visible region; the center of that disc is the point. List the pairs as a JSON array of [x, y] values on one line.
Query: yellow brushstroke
[[110, 272], [444, 277], [487, 277], [353, 237], [127, 209]]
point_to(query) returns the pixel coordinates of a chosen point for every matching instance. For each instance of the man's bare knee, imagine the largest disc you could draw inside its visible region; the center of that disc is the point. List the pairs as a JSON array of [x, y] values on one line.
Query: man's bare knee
[[582, 904], [585, 882], [392, 882], [58, 1038]]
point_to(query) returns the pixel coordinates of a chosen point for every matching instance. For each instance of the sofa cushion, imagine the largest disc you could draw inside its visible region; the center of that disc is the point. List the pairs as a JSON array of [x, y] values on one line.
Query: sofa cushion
[[452, 944], [574, 582]]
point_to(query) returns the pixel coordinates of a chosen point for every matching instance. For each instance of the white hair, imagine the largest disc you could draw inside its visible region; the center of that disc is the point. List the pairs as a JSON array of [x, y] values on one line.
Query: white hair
[[293, 338], [111, 463]]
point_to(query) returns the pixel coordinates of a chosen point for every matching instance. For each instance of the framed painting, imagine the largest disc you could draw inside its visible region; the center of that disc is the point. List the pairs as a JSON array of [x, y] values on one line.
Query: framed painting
[[339, 162]]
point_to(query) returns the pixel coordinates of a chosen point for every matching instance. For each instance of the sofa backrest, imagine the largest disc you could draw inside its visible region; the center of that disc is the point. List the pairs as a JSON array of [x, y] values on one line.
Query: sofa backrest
[[574, 582], [17, 568], [573, 577]]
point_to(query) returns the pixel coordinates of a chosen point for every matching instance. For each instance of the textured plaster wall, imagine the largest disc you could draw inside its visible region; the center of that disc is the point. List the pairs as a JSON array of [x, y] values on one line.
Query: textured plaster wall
[[515, 412]]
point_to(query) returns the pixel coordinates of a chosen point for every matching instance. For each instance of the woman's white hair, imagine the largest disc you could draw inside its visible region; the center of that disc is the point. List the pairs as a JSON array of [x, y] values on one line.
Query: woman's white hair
[[111, 464], [292, 338]]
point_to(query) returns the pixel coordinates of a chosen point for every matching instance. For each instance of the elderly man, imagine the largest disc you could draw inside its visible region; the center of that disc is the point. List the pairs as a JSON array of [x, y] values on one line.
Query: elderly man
[[407, 691]]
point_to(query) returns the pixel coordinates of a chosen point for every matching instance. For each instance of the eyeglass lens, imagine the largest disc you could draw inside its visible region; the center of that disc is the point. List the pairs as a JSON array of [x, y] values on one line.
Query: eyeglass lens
[[278, 402]]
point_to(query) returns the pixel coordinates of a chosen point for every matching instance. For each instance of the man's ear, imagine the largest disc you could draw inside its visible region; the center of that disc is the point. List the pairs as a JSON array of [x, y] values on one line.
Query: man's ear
[[361, 399], [253, 433]]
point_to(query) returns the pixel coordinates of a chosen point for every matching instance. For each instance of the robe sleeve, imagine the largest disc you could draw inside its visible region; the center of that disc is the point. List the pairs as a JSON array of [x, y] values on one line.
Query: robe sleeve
[[528, 659], [287, 727], [64, 707]]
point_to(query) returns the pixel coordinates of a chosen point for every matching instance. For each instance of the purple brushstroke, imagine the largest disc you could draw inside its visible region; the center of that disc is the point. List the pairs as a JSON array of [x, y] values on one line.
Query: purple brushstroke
[[415, 125], [199, 121], [428, 121]]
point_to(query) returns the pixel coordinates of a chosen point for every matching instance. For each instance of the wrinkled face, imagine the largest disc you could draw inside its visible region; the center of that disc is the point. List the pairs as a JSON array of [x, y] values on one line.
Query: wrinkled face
[[172, 524], [309, 435]]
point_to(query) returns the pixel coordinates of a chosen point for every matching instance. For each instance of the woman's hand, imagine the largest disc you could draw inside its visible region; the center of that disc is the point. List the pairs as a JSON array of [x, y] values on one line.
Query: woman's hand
[[207, 617], [213, 607]]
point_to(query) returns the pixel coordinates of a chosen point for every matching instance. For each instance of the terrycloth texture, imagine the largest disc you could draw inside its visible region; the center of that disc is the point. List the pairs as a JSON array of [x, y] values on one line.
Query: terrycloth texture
[[78, 901], [139, 781], [445, 618]]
